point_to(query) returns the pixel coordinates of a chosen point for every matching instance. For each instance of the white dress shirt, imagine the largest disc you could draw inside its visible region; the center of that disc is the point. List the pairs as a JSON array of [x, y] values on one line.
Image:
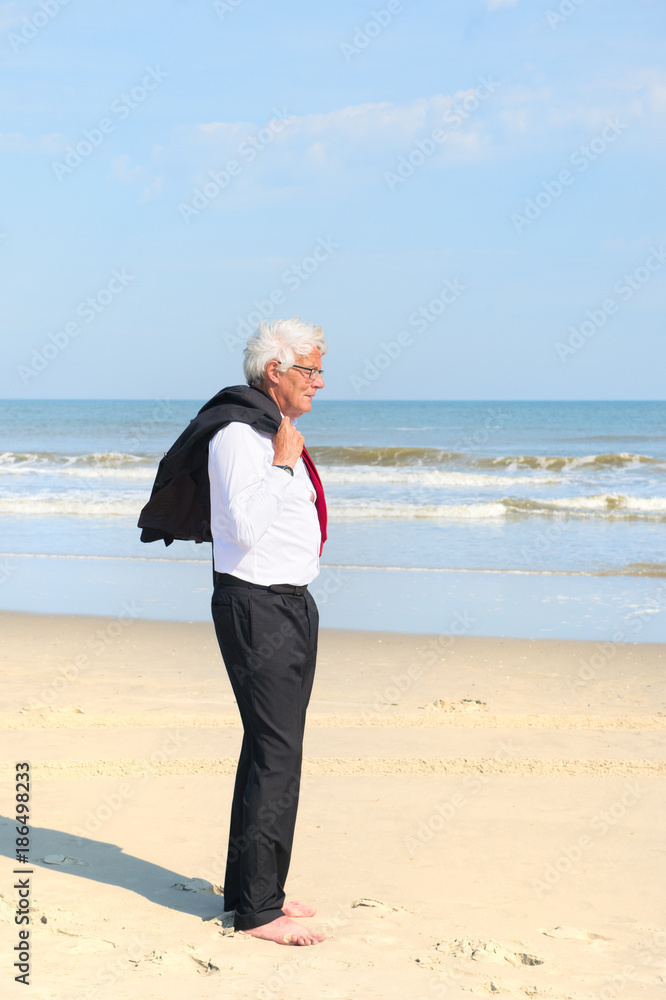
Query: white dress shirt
[[263, 521]]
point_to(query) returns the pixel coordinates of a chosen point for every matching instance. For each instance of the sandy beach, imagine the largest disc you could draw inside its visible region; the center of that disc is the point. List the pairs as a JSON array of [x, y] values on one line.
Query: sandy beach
[[477, 816]]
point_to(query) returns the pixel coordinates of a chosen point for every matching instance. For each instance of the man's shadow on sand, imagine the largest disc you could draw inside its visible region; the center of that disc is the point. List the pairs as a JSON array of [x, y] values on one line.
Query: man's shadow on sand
[[109, 865]]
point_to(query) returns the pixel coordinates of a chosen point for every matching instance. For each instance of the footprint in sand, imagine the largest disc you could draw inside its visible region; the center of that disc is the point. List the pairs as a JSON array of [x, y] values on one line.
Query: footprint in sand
[[226, 923], [60, 859], [487, 951], [574, 934], [60, 709], [456, 705], [198, 885], [77, 945], [179, 961], [377, 904]]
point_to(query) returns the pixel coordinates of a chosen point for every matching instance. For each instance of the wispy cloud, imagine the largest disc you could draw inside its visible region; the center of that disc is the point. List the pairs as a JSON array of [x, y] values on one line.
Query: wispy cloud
[[18, 142], [331, 150], [122, 171]]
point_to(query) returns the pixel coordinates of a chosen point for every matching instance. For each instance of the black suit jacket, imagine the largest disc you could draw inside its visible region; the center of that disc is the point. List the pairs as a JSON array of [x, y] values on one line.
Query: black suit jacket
[[179, 505]]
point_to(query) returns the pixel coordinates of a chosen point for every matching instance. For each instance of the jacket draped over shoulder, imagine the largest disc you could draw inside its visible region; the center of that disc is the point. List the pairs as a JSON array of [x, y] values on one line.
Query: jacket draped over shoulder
[[179, 505]]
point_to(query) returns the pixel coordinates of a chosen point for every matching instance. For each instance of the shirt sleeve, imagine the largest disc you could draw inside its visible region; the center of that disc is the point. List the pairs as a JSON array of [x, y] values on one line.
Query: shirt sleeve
[[247, 490]]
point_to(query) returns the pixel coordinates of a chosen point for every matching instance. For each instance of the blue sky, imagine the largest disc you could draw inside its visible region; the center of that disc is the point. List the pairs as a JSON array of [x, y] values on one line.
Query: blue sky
[[467, 196]]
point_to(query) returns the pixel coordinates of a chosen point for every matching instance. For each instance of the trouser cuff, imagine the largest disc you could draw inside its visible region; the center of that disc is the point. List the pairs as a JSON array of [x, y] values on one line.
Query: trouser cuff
[[248, 923]]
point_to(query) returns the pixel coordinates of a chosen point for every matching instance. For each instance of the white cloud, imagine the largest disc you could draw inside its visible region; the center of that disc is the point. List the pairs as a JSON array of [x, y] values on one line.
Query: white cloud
[[349, 147], [153, 189], [121, 170], [592, 118], [367, 128], [643, 90], [18, 142], [216, 133]]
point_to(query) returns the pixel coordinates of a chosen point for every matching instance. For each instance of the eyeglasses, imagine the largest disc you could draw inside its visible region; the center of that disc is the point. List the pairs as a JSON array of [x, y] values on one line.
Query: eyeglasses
[[313, 373]]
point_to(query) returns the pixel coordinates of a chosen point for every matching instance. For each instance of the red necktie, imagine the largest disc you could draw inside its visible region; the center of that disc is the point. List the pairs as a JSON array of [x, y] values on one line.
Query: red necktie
[[320, 502]]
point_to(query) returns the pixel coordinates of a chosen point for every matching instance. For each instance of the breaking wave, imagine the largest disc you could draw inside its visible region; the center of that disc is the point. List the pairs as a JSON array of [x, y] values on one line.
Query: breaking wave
[[97, 465], [399, 457], [98, 502]]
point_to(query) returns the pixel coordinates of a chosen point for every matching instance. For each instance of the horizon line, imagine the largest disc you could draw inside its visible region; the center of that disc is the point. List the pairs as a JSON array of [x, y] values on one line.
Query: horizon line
[[193, 399]]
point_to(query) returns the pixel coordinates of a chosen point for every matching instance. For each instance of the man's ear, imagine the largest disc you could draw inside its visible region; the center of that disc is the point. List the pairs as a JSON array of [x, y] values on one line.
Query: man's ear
[[272, 370]]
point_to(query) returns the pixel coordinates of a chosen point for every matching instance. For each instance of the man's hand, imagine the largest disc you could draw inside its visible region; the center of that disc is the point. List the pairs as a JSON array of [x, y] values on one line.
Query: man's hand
[[287, 444]]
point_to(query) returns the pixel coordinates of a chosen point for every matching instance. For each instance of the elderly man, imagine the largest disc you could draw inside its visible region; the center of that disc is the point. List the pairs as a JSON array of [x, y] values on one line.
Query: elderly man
[[266, 516]]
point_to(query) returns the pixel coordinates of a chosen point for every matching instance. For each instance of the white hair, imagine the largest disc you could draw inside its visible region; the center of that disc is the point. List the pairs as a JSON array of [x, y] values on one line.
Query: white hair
[[281, 340]]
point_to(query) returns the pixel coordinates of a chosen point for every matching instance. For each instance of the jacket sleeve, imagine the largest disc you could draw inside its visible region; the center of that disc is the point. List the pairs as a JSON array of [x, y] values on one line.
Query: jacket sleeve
[[246, 491]]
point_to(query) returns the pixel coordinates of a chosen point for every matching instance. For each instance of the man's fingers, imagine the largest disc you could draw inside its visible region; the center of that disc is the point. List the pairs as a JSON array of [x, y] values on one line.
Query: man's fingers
[[287, 444]]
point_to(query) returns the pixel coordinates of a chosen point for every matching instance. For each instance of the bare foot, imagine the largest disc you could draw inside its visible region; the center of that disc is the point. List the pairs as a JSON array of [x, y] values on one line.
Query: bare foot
[[294, 909], [284, 930]]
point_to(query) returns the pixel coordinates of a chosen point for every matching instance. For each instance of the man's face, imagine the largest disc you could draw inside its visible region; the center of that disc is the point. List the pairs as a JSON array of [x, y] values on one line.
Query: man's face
[[294, 391]]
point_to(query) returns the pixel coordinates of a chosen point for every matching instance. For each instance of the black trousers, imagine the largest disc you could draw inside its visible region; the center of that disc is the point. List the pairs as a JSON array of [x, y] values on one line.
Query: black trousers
[[268, 643]]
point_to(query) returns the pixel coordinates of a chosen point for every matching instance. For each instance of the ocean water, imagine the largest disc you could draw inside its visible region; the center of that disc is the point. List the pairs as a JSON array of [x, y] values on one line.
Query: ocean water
[[519, 518]]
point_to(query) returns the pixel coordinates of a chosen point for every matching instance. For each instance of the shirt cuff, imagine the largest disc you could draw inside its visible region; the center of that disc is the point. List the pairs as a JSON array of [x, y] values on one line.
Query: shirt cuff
[[277, 479]]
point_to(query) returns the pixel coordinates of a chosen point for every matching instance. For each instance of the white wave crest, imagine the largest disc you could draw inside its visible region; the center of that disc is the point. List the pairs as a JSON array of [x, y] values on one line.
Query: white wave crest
[[355, 510], [16, 461], [339, 475], [610, 503], [70, 506]]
